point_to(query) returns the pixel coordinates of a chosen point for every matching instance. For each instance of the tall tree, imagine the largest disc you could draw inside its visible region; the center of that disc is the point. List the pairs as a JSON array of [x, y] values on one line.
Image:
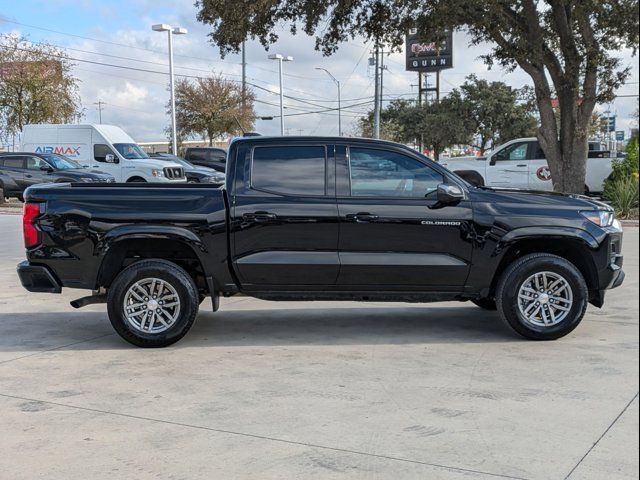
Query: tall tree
[[212, 107], [567, 47], [36, 85], [497, 111]]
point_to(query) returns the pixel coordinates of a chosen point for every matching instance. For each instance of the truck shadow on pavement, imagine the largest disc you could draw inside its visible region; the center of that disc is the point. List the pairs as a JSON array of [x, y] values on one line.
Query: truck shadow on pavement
[[267, 327]]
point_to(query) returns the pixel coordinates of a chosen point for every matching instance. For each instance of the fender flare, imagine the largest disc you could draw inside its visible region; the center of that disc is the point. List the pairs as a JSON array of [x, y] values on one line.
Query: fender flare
[[150, 232], [547, 232]]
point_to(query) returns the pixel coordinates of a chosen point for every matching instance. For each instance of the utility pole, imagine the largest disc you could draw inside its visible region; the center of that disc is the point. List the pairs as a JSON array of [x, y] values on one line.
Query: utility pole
[[99, 103], [376, 104], [382, 68], [244, 73]]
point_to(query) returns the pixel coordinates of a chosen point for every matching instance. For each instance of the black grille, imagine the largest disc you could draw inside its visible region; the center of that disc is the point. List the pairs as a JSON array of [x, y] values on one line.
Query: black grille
[[173, 172]]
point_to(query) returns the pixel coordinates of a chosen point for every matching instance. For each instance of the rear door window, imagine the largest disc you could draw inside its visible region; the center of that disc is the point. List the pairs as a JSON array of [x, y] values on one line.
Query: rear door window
[[290, 170], [13, 162]]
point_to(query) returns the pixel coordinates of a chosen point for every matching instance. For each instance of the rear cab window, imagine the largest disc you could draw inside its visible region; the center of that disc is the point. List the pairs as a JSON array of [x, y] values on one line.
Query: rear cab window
[[290, 170]]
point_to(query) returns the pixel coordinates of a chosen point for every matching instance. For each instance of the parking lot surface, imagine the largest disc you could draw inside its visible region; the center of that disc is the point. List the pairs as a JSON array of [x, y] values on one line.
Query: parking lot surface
[[320, 390]]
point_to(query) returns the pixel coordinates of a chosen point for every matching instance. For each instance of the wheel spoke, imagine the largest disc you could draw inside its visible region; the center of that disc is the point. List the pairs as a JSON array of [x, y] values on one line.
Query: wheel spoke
[[545, 299], [144, 312]]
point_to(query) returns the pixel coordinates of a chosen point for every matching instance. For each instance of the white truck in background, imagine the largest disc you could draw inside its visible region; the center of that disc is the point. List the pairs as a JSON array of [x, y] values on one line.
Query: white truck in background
[[103, 147], [521, 163]]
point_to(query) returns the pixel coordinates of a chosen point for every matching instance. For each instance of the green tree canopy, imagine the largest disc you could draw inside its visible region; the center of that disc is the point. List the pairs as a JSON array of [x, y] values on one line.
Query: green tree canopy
[[498, 112], [212, 107], [567, 47], [36, 85]]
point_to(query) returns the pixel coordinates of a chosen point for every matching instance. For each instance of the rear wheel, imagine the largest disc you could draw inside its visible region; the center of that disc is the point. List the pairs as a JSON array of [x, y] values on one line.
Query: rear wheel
[[542, 296], [2, 200], [152, 303]]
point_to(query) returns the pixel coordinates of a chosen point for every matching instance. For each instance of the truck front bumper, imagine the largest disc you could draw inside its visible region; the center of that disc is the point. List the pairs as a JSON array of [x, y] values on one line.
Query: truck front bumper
[[612, 276], [38, 278]]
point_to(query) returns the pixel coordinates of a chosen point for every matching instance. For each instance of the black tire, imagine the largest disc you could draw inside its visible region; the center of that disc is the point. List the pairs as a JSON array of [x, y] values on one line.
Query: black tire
[[170, 273], [136, 180], [2, 199], [486, 303], [516, 274]]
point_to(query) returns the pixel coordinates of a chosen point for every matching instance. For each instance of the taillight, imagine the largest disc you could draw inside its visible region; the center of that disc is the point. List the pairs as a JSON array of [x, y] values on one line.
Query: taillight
[[31, 233]]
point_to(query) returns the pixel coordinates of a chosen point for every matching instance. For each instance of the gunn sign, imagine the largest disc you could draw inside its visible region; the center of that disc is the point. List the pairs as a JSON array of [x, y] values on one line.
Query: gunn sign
[[59, 150], [428, 56]]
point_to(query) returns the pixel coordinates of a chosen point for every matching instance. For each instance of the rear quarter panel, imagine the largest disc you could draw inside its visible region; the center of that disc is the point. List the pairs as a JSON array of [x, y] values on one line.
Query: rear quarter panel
[[80, 224]]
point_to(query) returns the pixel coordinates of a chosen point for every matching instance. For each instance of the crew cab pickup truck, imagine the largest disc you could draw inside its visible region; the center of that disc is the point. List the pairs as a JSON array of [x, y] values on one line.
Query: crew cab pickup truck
[[315, 218], [521, 163]]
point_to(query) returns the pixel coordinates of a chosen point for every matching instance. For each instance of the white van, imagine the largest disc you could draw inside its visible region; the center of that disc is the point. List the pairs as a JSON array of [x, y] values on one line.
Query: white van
[[103, 147]]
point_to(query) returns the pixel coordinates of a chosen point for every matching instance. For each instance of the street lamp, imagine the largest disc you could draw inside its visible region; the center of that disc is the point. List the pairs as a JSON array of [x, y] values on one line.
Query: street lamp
[[337, 82], [281, 58], [171, 31]]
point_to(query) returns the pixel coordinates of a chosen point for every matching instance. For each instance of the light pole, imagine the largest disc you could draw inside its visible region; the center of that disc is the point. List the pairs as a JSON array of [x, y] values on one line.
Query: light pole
[[171, 31], [337, 82], [281, 58]]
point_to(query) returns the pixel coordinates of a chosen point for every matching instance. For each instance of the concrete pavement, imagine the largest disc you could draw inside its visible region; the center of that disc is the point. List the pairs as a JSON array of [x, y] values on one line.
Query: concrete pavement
[[324, 390]]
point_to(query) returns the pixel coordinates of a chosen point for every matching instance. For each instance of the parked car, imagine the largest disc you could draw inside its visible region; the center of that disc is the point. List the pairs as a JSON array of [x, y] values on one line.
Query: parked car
[[104, 147], [211, 157], [521, 163], [321, 218], [194, 174], [20, 170]]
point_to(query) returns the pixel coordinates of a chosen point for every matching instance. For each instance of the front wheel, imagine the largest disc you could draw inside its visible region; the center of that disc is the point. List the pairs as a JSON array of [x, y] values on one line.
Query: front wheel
[[152, 303], [542, 296]]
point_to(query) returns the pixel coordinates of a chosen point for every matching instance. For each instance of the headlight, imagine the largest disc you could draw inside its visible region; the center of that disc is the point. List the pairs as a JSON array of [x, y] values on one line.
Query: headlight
[[215, 179], [157, 173], [602, 218], [86, 179]]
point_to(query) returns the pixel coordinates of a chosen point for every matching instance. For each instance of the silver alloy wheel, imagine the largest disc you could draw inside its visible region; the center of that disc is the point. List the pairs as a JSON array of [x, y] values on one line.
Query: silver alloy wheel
[[151, 305], [545, 299]]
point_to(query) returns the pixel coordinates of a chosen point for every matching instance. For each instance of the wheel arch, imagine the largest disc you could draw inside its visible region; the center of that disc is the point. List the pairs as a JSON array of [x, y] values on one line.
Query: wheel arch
[[182, 247], [136, 178], [573, 248]]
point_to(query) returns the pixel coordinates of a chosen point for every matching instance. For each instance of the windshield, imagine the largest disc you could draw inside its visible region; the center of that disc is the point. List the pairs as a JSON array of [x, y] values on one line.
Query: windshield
[[130, 151], [60, 162]]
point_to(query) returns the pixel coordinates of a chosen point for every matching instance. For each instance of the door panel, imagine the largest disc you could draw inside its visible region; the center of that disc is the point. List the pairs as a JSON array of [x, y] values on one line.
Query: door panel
[[285, 219], [33, 175], [510, 167], [395, 240], [539, 173], [13, 167]]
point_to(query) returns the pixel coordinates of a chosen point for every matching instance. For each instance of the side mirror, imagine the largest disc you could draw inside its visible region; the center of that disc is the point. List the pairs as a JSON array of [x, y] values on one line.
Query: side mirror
[[448, 195], [46, 168], [493, 159], [110, 158]]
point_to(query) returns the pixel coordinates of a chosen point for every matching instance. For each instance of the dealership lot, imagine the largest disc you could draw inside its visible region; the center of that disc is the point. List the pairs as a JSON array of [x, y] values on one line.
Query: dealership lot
[[324, 390]]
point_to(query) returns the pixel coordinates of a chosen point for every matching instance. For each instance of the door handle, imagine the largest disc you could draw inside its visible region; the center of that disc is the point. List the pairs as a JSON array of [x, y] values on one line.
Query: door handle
[[361, 217], [260, 217], [521, 165], [27, 175]]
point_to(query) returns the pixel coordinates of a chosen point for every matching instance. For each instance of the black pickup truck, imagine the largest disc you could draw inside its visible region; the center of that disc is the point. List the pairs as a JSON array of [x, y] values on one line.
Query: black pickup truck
[[304, 218]]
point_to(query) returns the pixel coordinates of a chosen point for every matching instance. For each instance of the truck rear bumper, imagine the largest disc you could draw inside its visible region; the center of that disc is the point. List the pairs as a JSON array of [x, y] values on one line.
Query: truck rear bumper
[[38, 278]]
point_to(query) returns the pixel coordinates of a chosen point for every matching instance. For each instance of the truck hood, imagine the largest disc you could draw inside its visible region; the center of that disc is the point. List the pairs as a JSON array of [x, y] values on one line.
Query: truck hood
[[539, 198], [152, 163]]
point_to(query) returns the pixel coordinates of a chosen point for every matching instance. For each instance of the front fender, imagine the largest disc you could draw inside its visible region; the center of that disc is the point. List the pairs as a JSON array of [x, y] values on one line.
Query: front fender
[[547, 232]]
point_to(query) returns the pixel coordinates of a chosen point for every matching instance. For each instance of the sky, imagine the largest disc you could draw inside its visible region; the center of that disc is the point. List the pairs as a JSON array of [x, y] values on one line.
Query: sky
[[118, 33]]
